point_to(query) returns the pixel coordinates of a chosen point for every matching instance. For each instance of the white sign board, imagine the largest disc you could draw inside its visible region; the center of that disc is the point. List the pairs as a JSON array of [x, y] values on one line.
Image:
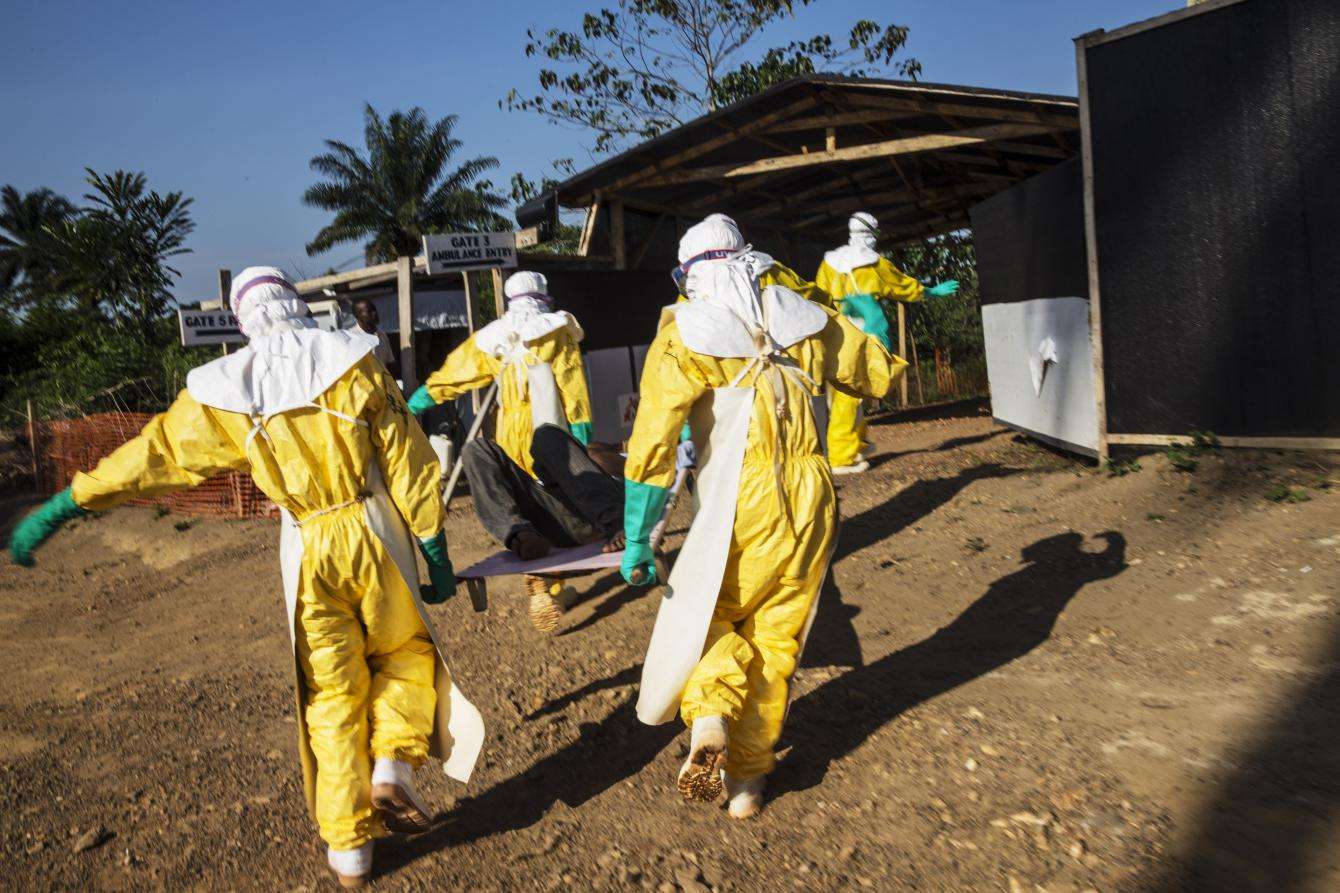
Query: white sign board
[[209, 327], [454, 252]]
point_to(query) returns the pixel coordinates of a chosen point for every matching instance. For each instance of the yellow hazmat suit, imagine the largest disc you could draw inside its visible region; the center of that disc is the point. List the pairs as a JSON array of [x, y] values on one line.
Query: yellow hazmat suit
[[785, 520], [880, 279], [367, 658], [468, 367]]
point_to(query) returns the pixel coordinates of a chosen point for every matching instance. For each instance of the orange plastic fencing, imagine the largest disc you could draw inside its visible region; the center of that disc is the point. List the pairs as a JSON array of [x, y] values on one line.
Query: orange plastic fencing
[[70, 445]]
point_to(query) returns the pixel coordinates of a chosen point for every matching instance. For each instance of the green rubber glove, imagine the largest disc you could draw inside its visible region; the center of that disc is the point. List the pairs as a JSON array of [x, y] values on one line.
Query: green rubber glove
[[944, 289], [643, 505], [873, 321], [685, 433], [420, 402], [581, 432], [39, 526], [440, 572]]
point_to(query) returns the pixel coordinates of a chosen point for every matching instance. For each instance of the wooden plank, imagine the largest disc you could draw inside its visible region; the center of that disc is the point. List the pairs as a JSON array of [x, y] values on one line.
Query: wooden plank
[[1091, 245], [225, 289], [840, 119], [884, 148], [404, 287], [588, 227], [830, 139], [308, 286], [902, 347], [34, 448], [528, 237], [759, 124], [1256, 443], [1095, 38], [853, 203], [618, 243], [469, 325], [1062, 117], [499, 299]]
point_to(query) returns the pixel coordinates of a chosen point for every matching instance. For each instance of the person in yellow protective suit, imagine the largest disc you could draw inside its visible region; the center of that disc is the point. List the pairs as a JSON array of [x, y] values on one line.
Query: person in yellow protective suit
[[322, 428], [750, 366], [532, 353], [857, 277]]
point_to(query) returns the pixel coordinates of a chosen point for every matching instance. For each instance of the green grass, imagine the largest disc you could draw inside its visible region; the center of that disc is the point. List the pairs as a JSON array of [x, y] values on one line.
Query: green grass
[[1285, 493], [1119, 468]]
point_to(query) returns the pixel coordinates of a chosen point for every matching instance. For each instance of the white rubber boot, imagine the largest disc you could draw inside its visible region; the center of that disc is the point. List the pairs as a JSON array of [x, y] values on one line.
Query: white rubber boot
[[393, 797], [860, 465], [700, 776], [351, 867], [744, 795]]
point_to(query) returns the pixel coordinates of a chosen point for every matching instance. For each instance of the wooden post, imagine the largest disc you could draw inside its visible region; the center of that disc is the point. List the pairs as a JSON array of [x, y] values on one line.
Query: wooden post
[[470, 325], [499, 299], [225, 286], [618, 245], [32, 445], [404, 284], [1091, 246], [902, 348], [916, 370]]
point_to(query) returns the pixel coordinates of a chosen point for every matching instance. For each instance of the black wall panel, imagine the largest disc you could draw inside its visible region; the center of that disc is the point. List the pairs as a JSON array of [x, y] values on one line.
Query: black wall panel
[[1030, 239], [1216, 155], [616, 308]]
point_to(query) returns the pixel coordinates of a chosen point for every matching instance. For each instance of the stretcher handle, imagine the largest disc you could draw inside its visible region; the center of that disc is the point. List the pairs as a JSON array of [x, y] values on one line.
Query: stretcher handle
[[484, 407]]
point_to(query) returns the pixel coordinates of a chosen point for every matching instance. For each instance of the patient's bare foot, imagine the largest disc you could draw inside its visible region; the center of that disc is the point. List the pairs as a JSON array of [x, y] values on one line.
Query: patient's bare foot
[[529, 545], [615, 544]]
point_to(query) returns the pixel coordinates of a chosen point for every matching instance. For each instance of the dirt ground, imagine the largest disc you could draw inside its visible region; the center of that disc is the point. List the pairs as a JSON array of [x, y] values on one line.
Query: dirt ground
[[1026, 675]]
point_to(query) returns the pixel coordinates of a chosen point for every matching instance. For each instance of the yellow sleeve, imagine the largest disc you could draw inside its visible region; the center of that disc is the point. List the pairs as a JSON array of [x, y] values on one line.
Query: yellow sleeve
[[571, 380], [781, 274], [828, 281], [668, 391], [178, 449], [467, 368], [407, 461], [897, 285], [857, 364]]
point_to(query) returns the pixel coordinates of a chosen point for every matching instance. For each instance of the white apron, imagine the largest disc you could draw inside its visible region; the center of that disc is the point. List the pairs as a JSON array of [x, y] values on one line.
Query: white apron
[[458, 727], [719, 423]]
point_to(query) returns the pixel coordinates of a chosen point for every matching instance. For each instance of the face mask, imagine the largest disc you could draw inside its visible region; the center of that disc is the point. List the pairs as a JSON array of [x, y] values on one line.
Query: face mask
[[680, 274]]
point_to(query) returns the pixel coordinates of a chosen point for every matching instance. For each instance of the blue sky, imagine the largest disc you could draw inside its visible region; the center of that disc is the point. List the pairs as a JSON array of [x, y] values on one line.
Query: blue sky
[[228, 101]]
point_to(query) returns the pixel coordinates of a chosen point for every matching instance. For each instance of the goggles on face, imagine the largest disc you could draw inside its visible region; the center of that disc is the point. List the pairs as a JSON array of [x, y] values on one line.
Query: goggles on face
[[680, 274]]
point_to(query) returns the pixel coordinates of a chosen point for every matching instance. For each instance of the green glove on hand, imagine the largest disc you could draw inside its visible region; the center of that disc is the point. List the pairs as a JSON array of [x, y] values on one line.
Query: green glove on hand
[[643, 505], [581, 432], [38, 527], [944, 289], [874, 323], [420, 401], [440, 572]]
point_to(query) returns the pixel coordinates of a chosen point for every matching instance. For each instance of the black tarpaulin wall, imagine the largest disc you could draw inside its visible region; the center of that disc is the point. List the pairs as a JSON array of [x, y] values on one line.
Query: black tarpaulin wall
[[1030, 239], [1216, 163], [616, 308]]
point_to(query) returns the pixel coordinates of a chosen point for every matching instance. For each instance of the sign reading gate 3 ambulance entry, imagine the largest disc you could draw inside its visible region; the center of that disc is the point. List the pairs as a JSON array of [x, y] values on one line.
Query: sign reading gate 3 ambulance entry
[[209, 327], [453, 252]]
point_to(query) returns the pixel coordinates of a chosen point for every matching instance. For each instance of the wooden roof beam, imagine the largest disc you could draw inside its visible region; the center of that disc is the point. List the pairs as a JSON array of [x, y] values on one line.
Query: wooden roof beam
[[902, 146], [993, 113], [838, 119]]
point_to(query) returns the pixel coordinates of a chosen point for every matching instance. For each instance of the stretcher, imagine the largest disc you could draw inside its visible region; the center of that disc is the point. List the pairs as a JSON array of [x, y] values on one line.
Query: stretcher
[[569, 562]]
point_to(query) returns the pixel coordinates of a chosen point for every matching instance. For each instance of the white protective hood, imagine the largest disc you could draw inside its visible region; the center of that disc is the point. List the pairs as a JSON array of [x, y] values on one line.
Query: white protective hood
[[279, 372], [528, 317], [862, 236], [726, 312]]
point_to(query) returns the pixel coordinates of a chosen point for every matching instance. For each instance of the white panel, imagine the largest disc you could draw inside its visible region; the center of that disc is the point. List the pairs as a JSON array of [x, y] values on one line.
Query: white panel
[[609, 375], [639, 357], [433, 309], [1064, 410]]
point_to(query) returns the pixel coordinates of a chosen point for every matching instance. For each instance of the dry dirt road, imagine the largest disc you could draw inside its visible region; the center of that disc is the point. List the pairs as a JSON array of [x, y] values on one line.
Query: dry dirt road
[[1026, 675]]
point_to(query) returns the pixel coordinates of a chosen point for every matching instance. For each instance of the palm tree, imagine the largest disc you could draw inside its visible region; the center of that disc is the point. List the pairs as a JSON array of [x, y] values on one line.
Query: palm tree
[[25, 222], [402, 189]]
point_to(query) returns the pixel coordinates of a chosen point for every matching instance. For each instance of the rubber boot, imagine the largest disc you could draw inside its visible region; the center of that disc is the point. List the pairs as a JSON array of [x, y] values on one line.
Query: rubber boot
[[393, 797], [352, 867], [700, 776], [744, 796], [860, 465]]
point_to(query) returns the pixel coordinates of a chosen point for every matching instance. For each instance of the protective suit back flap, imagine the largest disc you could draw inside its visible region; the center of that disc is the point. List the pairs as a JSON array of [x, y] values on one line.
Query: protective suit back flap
[[720, 422], [546, 408]]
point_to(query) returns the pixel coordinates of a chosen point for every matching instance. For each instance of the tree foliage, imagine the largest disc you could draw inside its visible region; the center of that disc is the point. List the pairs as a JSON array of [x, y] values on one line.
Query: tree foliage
[[401, 187], [645, 66], [952, 323], [25, 219]]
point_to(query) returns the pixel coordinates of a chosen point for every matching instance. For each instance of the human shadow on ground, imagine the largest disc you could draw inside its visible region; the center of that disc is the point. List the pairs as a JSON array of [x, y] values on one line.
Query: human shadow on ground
[[1016, 614], [951, 444], [833, 641], [604, 754], [909, 505], [1272, 824]]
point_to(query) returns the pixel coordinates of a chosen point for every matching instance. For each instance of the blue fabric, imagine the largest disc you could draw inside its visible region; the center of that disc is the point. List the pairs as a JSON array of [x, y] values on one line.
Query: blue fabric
[[866, 308], [643, 505], [420, 401], [39, 526], [440, 572]]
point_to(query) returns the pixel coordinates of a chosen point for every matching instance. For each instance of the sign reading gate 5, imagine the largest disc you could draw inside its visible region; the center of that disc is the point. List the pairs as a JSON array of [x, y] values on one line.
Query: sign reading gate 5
[[209, 327], [453, 252]]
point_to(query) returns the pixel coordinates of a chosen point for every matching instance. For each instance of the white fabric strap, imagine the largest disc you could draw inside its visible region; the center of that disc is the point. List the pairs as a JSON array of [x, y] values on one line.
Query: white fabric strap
[[331, 508], [339, 415]]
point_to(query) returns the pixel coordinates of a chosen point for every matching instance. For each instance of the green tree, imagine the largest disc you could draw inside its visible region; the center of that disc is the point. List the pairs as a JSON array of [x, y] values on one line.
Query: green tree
[[646, 66], [25, 221], [402, 188]]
